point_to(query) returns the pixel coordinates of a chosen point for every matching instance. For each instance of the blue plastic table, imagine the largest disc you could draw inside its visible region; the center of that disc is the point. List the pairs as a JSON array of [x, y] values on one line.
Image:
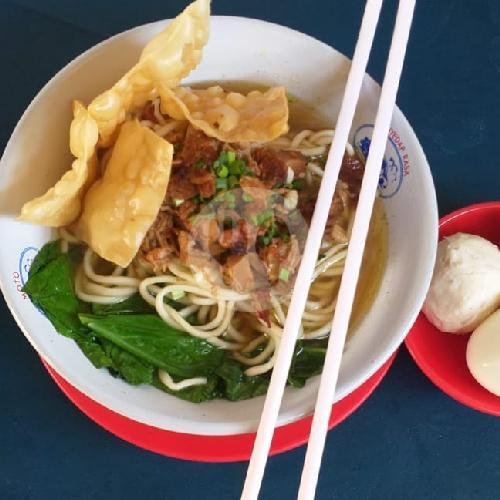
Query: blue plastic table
[[408, 440]]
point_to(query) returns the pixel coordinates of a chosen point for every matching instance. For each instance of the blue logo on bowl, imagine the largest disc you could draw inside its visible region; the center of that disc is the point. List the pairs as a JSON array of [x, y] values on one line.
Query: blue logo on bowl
[[25, 261], [392, 171]]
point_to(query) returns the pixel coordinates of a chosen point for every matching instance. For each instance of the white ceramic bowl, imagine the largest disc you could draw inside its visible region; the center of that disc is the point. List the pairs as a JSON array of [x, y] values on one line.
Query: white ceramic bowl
[[238, 49]]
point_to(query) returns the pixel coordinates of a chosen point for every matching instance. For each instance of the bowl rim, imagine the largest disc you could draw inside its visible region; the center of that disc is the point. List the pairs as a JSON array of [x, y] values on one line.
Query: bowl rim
[[419, 292], [449, 387], [474, 207]]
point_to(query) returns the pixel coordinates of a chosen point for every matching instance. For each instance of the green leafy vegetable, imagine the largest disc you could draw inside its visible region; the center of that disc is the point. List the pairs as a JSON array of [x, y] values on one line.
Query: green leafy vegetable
[[129, 367], [149, 338], [135, 304], [307, 361], [50, 288], [236, 385], [196, 393], [93, 350], [47, 254], [132, 342]]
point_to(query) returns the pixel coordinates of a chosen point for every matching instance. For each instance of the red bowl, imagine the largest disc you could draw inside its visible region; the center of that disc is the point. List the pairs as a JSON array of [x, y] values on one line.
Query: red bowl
[[212, 448], [441, 356]]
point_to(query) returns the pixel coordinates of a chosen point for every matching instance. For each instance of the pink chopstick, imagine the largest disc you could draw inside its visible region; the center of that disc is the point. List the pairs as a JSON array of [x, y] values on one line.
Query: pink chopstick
[[354, 256], [284, 355]]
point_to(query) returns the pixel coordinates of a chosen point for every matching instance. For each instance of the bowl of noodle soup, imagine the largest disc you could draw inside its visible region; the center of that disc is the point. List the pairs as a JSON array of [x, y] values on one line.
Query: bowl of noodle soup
[[182, 288]]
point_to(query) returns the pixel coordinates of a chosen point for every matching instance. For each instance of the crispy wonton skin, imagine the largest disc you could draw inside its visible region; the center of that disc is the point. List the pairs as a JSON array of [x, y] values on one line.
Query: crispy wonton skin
[[120, 207], [229, 116], [61, 204], [167, 58]]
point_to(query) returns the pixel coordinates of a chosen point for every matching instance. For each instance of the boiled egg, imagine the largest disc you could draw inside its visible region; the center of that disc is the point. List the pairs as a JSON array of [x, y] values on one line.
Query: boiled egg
[[483, 353]]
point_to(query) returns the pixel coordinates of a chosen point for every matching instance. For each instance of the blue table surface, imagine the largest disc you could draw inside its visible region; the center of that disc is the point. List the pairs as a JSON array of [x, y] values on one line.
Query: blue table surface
[[409, 440]]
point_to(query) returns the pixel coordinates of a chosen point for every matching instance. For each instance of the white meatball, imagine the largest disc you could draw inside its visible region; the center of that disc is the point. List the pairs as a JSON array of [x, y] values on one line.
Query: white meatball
[[465, 287]]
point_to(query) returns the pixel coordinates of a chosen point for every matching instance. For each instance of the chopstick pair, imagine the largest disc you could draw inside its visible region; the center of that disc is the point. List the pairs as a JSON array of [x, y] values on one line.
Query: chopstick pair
[[354, 256]]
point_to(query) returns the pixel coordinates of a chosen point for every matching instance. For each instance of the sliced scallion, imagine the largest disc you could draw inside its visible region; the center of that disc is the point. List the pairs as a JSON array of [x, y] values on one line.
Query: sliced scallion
[[221, 183], [284, 274], [177, 294], [222, 171]]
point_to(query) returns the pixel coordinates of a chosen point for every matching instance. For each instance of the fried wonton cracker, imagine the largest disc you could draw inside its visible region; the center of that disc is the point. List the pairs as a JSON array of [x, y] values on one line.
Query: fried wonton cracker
[[61, 204], [229, 116], [167, 58], [120, 207]]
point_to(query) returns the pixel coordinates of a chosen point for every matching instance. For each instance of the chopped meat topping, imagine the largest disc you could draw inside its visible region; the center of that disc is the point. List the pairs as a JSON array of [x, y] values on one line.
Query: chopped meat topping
[[248, 183], [250, 234], [206, 232], [190, 254], [179, 186], [257, 195], [160, 242], [203, 179], [280, 255], [239, 238], [270, 255], [148, 113], [233, 239], [200, 175], [261, 303], [176, 136], [274, 165], [352, 171], [244, 273], [184, 212], [306, 204], [340, 202], [159, 257], [198, 147]]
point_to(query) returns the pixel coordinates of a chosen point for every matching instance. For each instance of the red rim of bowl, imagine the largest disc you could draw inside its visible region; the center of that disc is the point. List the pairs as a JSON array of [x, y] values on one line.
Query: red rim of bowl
[[457, 382], [231, 448]]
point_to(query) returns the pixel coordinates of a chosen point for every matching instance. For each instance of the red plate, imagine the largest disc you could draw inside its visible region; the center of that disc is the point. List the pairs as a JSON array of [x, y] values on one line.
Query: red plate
[[441, 356], [211, 448]]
